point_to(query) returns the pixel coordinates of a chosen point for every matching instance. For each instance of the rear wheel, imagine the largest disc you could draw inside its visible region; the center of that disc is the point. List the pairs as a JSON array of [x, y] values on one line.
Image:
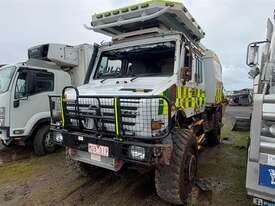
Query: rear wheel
[[174, 182], [80, 167], [43, 142]]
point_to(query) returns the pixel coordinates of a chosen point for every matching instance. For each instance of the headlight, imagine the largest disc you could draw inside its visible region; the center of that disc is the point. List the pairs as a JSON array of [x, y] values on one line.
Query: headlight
[[137, 153]]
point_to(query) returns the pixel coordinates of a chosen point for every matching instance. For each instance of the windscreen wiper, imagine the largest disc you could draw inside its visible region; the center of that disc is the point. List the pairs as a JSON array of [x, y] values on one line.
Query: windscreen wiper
[[144, 75], [103, 80], [110, 77]]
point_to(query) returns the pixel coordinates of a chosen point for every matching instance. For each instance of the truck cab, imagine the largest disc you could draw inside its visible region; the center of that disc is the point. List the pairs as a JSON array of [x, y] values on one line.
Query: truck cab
[[260, 178], [154, 97], [24, 90]]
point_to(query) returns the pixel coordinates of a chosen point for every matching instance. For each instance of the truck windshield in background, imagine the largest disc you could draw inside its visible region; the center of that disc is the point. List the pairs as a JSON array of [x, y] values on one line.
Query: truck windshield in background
[[6, 74], [147, 60]]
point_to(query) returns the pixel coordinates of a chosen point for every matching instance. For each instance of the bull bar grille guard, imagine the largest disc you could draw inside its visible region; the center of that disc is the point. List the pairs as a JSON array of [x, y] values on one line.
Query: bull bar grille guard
[[121, 117]]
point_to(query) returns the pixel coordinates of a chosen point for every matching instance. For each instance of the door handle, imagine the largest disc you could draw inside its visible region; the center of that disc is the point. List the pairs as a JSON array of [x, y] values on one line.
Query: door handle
[[16, 103]]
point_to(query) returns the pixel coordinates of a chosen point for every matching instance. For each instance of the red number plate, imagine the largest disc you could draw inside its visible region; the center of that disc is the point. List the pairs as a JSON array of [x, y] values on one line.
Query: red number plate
[[98, 150]]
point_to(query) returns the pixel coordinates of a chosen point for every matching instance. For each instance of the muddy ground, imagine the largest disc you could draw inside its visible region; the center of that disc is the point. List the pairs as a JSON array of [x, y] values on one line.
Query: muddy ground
[[27, 180]]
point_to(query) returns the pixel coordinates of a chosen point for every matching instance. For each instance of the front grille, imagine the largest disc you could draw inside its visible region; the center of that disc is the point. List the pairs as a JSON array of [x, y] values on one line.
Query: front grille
[[117, 116]]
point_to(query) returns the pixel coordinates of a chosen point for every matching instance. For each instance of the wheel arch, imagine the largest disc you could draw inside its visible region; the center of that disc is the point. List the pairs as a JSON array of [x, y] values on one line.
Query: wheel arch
[[38, 124]]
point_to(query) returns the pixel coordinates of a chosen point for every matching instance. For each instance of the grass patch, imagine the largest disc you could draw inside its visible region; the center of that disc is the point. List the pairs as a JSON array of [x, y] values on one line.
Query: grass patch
[[12, 172], [225, 167], [22, 170], [240, 138]]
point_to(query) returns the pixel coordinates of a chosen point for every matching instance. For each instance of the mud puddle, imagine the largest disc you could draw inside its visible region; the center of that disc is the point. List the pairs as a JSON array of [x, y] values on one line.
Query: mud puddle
[[14, 153]]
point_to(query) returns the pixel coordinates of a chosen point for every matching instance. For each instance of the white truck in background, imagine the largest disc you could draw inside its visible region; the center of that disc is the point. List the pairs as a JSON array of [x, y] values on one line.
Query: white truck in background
[[260, 179], [24, 90]]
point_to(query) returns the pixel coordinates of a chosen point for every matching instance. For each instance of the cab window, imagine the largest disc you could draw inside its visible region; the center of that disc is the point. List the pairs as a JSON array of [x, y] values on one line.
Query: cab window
[[199, 72], [148, 60], [21, 85], [31, 82], [43, 82]]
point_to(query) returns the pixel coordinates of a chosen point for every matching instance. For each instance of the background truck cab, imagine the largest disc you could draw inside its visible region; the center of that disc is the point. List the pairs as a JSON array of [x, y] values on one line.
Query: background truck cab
[[260, 178], [24, 90]]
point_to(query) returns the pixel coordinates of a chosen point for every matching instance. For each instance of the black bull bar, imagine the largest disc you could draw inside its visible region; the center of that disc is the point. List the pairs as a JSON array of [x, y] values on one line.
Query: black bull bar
[[118, 117]]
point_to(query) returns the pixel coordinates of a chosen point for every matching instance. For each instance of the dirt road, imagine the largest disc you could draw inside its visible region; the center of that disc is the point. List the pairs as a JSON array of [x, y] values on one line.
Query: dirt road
[[26, 180]]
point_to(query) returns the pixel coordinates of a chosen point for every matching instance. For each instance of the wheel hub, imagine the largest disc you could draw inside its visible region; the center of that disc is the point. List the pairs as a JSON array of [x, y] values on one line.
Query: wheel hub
[[49, 141]]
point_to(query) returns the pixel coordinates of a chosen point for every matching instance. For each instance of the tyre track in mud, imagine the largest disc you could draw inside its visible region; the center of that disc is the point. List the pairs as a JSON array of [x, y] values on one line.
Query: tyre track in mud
[[14, 153], [52, 183], [126, 188], [103, 187]]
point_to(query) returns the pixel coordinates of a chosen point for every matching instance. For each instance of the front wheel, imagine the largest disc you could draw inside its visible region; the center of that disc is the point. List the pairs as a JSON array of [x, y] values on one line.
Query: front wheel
[[43, 142], [175, 181]]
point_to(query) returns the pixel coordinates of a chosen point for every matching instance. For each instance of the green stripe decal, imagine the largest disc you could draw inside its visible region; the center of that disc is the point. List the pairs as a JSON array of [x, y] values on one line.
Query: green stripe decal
[[136, 6], [116, 116]]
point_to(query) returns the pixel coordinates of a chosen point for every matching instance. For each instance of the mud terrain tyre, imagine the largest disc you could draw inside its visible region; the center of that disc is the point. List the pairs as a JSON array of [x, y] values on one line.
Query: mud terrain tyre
[[43, 143], [174, 182], [81, 168]]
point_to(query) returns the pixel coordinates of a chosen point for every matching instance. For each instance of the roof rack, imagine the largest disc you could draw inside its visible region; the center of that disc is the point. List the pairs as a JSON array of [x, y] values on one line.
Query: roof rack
[[151, 14]]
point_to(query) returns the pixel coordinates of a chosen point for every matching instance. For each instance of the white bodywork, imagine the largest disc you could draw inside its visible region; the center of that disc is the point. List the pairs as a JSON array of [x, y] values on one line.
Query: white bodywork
[[112, 87], [213, 76], [161, 40], [67, 64], [259, 180]]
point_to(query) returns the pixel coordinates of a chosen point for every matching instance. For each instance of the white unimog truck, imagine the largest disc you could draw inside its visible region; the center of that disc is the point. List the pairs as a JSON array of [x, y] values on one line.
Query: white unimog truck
[[154, 97], [260, 180], [24, 90]]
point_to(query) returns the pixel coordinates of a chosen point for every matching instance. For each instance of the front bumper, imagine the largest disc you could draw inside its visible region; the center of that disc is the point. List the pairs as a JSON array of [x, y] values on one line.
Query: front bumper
[[155, 152]]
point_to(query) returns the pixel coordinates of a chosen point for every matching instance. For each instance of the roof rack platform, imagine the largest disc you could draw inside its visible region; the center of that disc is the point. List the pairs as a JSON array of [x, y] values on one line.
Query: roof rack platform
[[156, 13]]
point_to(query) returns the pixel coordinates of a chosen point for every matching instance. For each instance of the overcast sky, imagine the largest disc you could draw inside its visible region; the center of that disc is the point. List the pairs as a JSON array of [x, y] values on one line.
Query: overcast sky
[[229, 25]]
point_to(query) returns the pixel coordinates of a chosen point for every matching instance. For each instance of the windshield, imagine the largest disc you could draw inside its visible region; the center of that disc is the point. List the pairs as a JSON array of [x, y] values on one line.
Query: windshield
[[147, 60], [6, 74]]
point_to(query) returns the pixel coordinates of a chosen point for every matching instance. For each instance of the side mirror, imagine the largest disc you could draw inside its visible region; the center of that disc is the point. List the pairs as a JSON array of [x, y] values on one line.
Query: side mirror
[[252, 55], [186, 73]]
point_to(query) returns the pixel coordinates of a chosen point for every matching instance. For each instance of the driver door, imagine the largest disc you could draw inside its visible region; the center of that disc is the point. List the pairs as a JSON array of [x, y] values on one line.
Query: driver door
[[30, 99]]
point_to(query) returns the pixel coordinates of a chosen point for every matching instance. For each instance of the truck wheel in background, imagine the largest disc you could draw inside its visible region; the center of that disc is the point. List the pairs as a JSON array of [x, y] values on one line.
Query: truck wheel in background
[[213, 137], [43, 143], [174, 182], [80, 167]]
